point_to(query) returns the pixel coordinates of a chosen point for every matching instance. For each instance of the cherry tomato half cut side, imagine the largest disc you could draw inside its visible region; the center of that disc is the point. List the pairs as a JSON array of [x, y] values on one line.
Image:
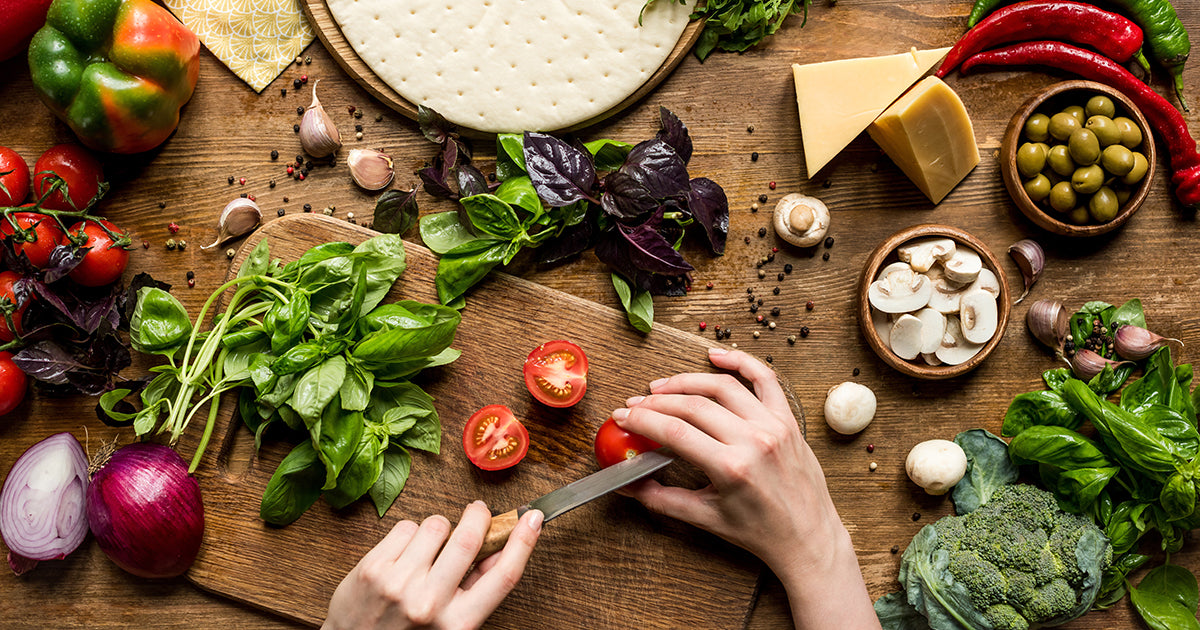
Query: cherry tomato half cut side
[[614, 444], [494, 439], [556, 373]]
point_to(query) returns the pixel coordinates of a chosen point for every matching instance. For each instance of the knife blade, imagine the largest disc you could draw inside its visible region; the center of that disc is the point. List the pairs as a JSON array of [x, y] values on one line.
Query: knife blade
[[575, 494]]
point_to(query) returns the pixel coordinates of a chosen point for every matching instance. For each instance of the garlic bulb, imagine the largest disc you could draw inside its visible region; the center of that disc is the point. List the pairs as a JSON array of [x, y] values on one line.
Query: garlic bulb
[[239, 218], [1030, 260], [370, 169], [1137, 343], [319, 137], [1049, 322]]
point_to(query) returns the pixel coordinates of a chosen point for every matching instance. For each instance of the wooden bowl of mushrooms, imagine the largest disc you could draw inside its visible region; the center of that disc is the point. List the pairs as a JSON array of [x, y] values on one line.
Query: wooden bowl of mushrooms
[[933, 301]]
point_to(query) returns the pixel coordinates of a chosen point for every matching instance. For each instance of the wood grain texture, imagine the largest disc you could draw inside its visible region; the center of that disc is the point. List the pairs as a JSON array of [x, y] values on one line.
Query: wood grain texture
[[633, 562], [228, 130], [339, 47]]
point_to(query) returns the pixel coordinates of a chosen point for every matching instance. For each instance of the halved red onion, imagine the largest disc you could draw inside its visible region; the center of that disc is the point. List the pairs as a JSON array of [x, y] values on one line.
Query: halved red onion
[[42, 504]]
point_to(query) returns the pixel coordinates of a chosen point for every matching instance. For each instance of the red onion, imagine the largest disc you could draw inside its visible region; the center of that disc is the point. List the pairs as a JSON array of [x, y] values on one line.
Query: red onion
[[42, 503], [145, 511]]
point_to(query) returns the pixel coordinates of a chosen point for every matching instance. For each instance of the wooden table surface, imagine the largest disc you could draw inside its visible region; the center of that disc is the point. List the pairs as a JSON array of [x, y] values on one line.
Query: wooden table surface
[[228, 130]]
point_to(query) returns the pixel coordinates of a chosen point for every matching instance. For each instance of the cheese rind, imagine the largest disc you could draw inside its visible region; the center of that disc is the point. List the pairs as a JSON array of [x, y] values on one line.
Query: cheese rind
[[928, 134], [838, 99]]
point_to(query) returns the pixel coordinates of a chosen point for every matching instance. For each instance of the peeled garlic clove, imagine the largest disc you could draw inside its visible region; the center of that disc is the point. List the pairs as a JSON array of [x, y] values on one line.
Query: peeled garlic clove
[[1086, 364], [1049, 322], [370, 169], [239, 218], [1030, 260], [319, 137], [1137, 343]]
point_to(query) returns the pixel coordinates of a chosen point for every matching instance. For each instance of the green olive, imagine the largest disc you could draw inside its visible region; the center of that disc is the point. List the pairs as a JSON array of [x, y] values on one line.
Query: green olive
[[1131, 134], [1059, 159], [1079, 216], [1104, 205], [1105, 129], [1062, 197], [1084, 147], [1031, 159], [1087, 179], [1117, 160], [1038, 188], [1037, 128], [1140, 166], [1076, 112], [1062, 124], [1100, 105], [1122, 194]]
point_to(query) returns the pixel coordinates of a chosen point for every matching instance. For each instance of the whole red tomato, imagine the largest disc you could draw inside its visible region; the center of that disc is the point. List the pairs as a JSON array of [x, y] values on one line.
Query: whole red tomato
[[22, 18], [16, 182], [105, 262], [7, 280], [46, 233], [78, 168], [614, 444], [12, 384]]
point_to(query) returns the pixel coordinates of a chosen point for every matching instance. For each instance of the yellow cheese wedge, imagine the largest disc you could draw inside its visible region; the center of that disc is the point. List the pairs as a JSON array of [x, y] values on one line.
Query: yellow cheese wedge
[[928, 134], [838, 99]]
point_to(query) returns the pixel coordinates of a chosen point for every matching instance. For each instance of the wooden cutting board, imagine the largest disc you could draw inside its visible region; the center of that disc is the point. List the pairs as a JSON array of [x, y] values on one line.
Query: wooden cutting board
[[609, 564]]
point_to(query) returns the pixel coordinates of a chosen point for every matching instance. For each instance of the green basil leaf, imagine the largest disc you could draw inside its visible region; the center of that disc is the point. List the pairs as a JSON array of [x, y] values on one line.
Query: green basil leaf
[[159, 324], [294, 487], [490, 214], [298, 358], [1178, 497], [359, 476], [1110, 380], [165, 385], [356, 389], [1123, 433], [988, 469], [248, 410], [1156, 386], [407, 412], [384, 259], [1055, 378], [291, 418], [1129, 314], [237, 360], [425, 435], [510, 156], [1112, 583], [1038, 408], [350, 317], [1181, 398], [261, 373], [336, 437], [239, 338], [519, 192], [1162, 612], [608, 155], [1076, 490], [1126, 526], [1095, 307], [1174, 582], [330, 286], [287, 321], [443, 231], [402, 370], [462, 267], [258, 261], [1179, 432], [638, 305], [325, 251], [397, 464], [317, 387], [108, 403], [409, 339], [1056, 446], [395, 212]]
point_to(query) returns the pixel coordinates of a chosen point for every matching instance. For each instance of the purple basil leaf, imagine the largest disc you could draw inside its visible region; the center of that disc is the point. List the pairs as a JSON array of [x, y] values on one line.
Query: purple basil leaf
[[63, 260], [625, 198], [561, 174], [670, 286], [573, 240], [434, 183], [433, 125], [46, 361], [674, 133], [462, 152], [613, 250], [650, 251], [470, 181], [707, 203], [656, 166], [88, 312], [395, 211], [447, 160]]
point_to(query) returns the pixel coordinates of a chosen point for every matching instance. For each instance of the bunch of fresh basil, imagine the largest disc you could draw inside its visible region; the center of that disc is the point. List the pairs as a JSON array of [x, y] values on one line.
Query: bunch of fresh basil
[[551, 196], [737, 25], [316, 354], [1139, 474]]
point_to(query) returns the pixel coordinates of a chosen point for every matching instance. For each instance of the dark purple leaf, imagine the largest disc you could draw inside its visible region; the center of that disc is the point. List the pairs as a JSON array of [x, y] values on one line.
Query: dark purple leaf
[[88, 312], [46, 361], [395, 211], [561, 174], [670, 286], [651, 174], [434, 183], [613, 250], [63, 260], [674, 133], [470, 181], [707, 203], [433, 125], [573, 240], [650, 251], [625, 198], [447, 160]]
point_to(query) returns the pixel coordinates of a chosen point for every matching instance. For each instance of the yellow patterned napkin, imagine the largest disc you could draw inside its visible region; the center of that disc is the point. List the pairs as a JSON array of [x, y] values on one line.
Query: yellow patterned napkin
[[257, 39]]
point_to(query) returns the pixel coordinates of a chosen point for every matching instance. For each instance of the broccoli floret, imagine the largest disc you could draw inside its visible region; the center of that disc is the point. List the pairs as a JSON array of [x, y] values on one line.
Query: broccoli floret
[[1005, 617], [1051, 601], [988, 584]]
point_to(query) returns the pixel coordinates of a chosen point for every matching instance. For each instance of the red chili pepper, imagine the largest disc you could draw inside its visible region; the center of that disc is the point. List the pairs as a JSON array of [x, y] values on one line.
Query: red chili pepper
[[1113, 35], [1162, 116]]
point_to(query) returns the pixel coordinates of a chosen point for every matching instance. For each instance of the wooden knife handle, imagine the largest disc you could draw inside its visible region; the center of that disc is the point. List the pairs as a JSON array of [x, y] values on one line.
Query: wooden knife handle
[[497, 534]]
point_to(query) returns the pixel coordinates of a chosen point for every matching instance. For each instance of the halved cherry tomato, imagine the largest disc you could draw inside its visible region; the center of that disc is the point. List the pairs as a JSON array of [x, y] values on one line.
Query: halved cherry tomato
[[614, 444], [494, 439], [7, 280], [79, 170], [16, 182], [12, 384], [556, 373], [105, 263], [45, 230]]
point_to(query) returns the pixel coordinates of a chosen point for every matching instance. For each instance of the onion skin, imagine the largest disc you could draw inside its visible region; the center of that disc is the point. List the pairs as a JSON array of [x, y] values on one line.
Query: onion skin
[[38, 524], [146, 511]]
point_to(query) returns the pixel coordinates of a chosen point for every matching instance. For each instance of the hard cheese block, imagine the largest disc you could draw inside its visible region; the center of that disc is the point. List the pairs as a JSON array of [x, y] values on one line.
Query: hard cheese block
[[838, 99], [928, 134]]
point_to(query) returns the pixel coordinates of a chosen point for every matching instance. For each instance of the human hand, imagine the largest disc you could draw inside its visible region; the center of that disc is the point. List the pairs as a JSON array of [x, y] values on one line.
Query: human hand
[[416, 578], [767, 492]]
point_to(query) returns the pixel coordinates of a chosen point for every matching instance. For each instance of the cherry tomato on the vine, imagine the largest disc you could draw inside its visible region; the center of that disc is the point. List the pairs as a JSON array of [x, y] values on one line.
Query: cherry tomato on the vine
[[614, 444], [105, 262], [7, 292], [12, 384], [79, 170], [46, 233], [494, 439], [16, 180], [556, 373]]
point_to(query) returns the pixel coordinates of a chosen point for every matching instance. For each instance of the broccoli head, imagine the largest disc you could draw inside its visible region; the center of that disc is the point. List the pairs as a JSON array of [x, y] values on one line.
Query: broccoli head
[[1016, 563]]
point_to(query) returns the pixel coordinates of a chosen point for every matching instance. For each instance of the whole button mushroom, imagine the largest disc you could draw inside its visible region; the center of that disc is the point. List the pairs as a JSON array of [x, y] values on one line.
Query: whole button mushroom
[[936, 465], [801, 220], [849, 407]]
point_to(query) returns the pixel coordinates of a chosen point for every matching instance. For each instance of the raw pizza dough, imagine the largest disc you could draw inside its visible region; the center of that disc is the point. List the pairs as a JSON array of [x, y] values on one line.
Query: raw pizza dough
[[512, 65]]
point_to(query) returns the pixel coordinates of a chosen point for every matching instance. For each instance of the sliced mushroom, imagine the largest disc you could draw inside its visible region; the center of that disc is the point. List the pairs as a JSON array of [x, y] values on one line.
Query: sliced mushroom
[[931, 358], [906, 337], [933, 326], [978, 316], [963, 266], [946, 293], [892, 268], [900, 292], [986, 281], [801, 220], [955, 349], [923, 253], [883, 325]]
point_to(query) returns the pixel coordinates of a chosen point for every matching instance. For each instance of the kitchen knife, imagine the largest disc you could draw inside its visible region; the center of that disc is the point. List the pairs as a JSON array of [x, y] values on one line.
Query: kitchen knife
[[574, 495]]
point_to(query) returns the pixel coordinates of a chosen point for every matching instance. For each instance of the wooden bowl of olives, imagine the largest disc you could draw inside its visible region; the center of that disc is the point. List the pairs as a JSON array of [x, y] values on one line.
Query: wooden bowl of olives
[[1078, 158]]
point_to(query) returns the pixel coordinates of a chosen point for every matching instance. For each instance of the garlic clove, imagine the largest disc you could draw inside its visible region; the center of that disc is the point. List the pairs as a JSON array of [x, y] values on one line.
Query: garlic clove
[[1137, 343], [319, 137], [1030, 260], [1049, 322], [239, 218], [1086, 364], [370, 169]]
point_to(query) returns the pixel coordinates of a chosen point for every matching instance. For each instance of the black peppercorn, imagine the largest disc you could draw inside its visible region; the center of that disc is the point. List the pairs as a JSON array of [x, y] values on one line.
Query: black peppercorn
[[750, 298], [775, 312], [271, 183], [916, 516], [754, 156], [828, 242], [283, 91], [804, 331], [758, 302], [762, 231], [491, 177], [856, 373], [825, 256], [281, 212], [749, 128], [191, 275], [826, 184], [231, 180], [295, 128], [746, 240], [753, 308], [728, 331], [274, 154], [769, 359], [299, 111], [308, 207], [299, 160], [358, 114], [295, 84], [245, 195], [787, 268], [775, 290], [162, 204], [780, 276], [378, 117], [358, 127], [762, 198], [895, 549]]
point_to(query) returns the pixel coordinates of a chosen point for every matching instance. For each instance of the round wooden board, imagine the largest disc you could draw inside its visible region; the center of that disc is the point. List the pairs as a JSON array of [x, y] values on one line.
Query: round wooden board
[[331, 36]]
